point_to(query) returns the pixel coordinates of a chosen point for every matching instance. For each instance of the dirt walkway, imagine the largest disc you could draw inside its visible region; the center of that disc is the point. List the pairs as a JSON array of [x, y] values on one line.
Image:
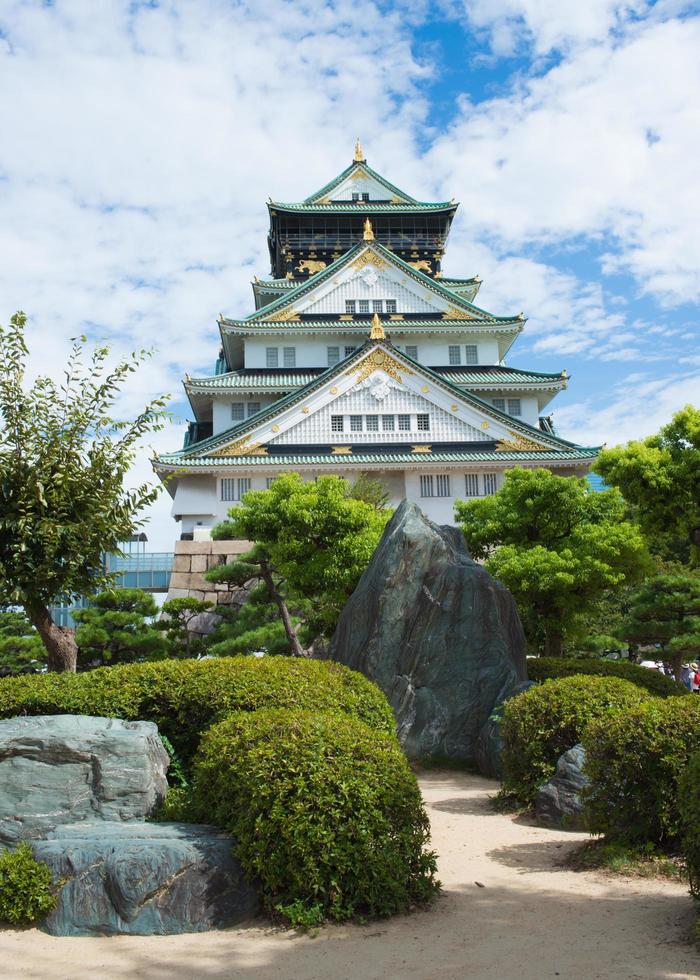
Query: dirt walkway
[[532, 920]]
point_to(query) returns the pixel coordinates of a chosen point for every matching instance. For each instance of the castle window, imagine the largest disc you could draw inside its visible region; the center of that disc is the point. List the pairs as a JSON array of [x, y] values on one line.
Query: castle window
[[471, 485], [404, 423], [349, 305], [472, 354], [333, 355], [490, 483], [443, 485], [388, 423], [514, 406], [377, 306], [391, 306], [363, 306], [253, 408], [412, 351], [233, 488], [500, 404], [355, 196], [372, 423], [336, 423], [269, 480], [271, 357], [356, 423], [365, 196], [289, 355], [423, 423], [426, 486], [237, 412], [349, 351], [454, 353]]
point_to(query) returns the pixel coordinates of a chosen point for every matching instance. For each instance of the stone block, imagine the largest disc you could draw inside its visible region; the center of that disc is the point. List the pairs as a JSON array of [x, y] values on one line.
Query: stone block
[[193, 547], [181, 563], [178, 593], [144, 879], [213, 561], [180, 580], [230, 547], [58, 769], [197, 581], [198, 563], [204, 623], [211, 597]]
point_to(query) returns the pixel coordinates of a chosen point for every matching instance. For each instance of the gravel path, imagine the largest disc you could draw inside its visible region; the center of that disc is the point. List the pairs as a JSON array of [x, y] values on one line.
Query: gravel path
[[531, 920]]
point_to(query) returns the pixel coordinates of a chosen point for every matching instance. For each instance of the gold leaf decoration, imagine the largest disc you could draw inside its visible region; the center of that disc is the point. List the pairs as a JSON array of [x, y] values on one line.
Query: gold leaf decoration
[[379, 360], [275, 428], [288, 313], [305, 409], [422, 265], [422, 449], [519, 444], [341, 450], [334, 391], [241, 448], [484, 425], [455, 313], [369, 257], [312, 266], [425, 389]]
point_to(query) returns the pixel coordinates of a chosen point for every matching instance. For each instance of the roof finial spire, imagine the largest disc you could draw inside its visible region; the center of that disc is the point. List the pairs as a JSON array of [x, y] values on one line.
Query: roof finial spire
[[368, 233], [359, 154], [377, 331]]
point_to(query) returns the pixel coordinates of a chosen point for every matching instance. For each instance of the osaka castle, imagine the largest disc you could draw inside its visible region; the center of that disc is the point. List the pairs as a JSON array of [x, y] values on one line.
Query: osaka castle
[[361, 357]]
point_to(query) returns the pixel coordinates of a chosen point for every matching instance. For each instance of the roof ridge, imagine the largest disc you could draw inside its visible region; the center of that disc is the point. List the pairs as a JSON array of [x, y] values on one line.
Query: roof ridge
[[344, 174]]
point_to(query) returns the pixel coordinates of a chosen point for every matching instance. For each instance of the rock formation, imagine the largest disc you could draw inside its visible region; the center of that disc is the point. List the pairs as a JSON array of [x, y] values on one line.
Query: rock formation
[[558, 802], [437, 633]]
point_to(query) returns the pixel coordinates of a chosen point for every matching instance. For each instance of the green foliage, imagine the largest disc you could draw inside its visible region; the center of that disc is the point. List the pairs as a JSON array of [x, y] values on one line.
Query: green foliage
[[63, 460], [326, 813], [177, 776], [313, 538], [114, 629], [689, 800], [559, 548], [179, 614], [372, 491], [547, 720], [547, 668], [250, 628], [660, 476], [25, 887], [635, 759], [21, 649], [665, 610], [183, 697]]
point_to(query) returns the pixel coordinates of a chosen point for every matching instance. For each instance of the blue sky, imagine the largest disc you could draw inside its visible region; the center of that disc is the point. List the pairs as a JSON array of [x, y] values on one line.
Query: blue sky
[[141, 140]]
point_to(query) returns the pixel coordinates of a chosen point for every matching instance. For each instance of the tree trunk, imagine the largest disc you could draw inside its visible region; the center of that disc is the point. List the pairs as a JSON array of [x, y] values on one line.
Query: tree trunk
[[297, 649], [553, 643], [59, 640]]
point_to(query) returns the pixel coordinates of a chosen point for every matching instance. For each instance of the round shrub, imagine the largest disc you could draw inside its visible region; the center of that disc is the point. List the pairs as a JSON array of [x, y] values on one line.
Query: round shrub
[[25, 887], [184, 697], [634, 760], [541, 724], [326, 812], [548, 668], [689, 805]]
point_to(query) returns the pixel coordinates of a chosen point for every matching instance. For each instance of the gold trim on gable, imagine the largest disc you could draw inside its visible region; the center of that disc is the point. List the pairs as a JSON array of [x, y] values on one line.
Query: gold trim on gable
[[288, 313], [369, 258], [241, 448], [379, 360], [455, 313], [519, 444]]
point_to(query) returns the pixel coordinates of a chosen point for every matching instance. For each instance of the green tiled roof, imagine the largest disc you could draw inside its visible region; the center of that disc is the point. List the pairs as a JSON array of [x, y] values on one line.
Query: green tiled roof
[[365, 459], [437, 325], [393, 190], [361, 207]]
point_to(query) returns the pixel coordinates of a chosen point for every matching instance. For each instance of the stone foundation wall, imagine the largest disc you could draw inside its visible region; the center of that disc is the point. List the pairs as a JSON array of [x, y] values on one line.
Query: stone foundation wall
[[194, 558]]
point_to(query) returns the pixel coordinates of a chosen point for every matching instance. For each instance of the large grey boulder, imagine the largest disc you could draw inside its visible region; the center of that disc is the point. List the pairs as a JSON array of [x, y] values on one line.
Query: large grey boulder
[[144, 879], [436, 632], [59, 769], [489, 743], [558, 802]]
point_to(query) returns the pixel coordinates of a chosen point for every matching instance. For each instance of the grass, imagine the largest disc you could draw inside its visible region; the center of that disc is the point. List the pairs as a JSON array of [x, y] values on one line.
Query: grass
[[632, 862]]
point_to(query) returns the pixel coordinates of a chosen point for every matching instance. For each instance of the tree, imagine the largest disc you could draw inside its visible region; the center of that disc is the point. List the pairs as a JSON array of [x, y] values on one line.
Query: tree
[[113, 629], [21, 649], [63, 460], [665, 610], [660, 477], [557, 546], [178, 616], [252, 627], [313, 541]]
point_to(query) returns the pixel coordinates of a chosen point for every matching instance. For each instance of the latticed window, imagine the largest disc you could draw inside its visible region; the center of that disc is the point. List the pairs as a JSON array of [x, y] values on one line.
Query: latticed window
[[372, 423], [377, 306], [426, 486], [471, 354], [289, 356], [412, 351], [333, 355], [443, 485], [271, 357], [500, 404], [349, 305], [388, 423], [233, 488], [423, 423], [336, 423], [356, 423], [391, 306], [454, 354], [514, 406], [363, 306], [349, 351], [269, 480], [253, 408], [404, 423], [237, 412], [471, 485], [490, 482]]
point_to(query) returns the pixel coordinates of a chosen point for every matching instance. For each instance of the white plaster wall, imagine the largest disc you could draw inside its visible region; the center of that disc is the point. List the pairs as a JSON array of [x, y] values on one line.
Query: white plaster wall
[[310, 352], [221, 409], [528, 405]]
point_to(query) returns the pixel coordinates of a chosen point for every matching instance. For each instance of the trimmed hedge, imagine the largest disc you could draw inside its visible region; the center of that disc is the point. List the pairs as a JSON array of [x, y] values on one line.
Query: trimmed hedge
[[635, 760], [689, 798], [541, 724], [25, 887], [549, 668], [184, 697], [326, 813]]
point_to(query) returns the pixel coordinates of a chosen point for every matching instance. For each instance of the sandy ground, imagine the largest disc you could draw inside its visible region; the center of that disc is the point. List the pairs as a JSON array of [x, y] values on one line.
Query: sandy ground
[[532, 920]]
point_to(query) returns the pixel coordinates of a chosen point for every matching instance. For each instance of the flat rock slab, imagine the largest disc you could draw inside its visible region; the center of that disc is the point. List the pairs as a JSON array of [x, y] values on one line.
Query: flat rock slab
[[144, 879], [438, 634], [58, 769], [558, 802]]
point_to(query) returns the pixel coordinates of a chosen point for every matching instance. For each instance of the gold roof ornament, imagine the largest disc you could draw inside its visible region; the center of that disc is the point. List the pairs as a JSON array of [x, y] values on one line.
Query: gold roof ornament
[[368, 233], [377, 331], [359, 154]]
